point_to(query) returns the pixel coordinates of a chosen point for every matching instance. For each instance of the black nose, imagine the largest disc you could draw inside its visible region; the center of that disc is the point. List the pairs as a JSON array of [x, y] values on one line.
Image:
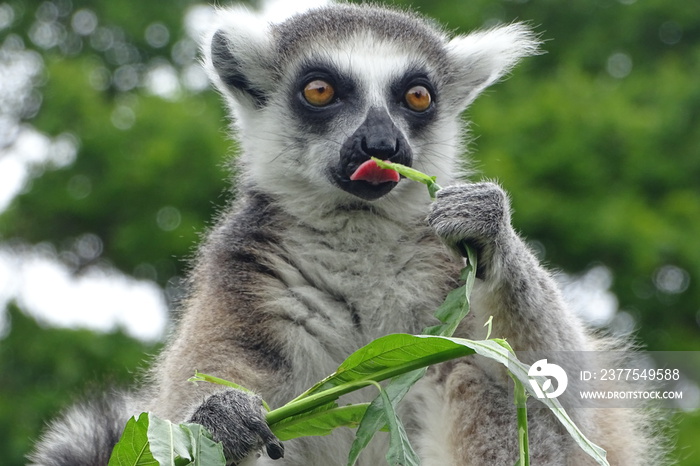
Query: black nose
[[380, 147], [378, 137]]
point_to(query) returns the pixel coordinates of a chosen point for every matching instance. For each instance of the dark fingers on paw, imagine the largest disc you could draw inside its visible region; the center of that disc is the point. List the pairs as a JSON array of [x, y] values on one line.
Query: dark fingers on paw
[[275, 450]]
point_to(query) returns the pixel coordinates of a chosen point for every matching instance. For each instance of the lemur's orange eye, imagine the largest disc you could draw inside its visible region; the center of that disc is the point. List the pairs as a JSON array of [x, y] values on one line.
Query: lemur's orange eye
[[418, 98], [319, 93]]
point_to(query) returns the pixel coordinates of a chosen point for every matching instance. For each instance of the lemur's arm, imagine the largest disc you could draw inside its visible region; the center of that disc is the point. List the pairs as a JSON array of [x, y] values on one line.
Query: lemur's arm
[[523, 299], [222, 332], [527, 310]]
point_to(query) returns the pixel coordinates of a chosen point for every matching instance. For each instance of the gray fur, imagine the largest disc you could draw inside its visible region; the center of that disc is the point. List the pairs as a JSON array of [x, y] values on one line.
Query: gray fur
[[338, 23], [305, 267], [85, 434]]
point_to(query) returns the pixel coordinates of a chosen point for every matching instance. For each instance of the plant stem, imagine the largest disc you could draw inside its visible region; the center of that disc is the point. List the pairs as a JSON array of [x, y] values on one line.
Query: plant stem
[[523, 440], [315, 400]]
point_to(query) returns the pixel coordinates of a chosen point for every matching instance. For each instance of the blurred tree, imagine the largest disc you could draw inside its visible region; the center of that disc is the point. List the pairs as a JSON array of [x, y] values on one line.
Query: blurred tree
[[142, 182], [597, 142], [43, 368], [148, 170]]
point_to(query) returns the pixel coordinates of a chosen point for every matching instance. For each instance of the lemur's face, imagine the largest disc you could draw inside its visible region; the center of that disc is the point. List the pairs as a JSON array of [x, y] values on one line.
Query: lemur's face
[[364, 100]]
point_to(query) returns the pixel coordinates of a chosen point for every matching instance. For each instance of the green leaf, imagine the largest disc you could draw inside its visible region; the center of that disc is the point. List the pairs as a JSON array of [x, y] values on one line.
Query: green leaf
[[375, 416], [169, 442], [152, 441], [400, 452], [386, 357], [133, 448], [321, 421], [206, 451], [456, 304]]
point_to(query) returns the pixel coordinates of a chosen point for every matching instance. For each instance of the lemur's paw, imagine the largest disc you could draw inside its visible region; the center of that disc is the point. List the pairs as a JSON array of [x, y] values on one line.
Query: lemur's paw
[[475, 214], [237, 420]]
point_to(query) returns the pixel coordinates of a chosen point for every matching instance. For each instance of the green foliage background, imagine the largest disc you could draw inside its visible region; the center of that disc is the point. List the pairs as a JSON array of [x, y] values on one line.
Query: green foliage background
[[598, 142]]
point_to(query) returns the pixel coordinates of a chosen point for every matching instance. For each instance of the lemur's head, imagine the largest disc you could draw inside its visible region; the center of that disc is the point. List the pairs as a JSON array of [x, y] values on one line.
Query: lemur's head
[[315, 96]]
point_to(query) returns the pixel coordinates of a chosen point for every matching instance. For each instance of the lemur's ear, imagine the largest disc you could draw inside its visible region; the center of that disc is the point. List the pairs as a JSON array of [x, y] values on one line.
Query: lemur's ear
[[237, 57], [481, 58]]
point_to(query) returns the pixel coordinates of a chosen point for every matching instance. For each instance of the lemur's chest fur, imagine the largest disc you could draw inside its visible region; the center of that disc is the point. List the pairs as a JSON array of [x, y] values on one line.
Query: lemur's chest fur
[[351, 278]]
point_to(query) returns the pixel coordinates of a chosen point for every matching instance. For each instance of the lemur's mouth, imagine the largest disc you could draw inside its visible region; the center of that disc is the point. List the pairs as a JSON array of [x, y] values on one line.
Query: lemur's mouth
[[356, 173], [370, 172], [366, 180]]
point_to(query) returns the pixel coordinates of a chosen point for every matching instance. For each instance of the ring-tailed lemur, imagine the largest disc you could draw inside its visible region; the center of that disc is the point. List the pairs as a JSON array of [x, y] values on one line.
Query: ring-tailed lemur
[[322, 252]]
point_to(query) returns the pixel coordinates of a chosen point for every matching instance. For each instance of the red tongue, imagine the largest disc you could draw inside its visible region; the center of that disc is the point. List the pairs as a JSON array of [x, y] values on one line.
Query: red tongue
[[371, 172]]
